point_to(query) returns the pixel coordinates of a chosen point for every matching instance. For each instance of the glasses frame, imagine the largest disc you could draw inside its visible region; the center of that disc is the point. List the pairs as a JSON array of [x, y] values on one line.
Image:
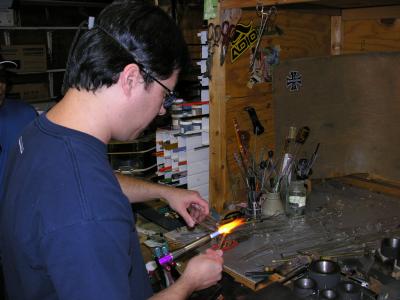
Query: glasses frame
[[170, 97]]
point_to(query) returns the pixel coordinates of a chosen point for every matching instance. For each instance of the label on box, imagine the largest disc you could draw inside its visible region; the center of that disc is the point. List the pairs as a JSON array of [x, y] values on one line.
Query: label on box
[[29, 58], [29, 91], [7, 17]]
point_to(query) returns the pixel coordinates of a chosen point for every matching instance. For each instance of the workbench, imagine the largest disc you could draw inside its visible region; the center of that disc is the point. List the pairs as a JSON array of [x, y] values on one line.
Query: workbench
[[340, 221]]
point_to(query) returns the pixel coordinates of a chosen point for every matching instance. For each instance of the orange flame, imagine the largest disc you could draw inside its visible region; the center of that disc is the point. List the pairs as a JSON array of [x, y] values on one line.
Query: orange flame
[[227, 228]]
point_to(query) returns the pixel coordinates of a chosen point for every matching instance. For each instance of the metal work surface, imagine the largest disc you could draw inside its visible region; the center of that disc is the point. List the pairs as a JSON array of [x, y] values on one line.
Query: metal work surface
[[340, 219]]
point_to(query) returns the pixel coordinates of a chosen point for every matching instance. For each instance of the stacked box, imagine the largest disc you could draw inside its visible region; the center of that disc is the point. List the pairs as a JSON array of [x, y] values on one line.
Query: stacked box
[[183, 150], [29, 58]]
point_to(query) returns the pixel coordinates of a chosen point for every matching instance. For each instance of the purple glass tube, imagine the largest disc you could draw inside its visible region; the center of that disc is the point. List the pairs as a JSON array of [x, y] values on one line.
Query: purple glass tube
[[166, 259]]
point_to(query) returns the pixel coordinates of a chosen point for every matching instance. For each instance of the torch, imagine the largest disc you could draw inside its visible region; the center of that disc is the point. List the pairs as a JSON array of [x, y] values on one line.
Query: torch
[[224, 229]]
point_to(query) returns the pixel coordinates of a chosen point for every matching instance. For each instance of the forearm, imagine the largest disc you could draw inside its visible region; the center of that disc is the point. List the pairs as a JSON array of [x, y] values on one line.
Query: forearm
[[178, 291], [138, 190]]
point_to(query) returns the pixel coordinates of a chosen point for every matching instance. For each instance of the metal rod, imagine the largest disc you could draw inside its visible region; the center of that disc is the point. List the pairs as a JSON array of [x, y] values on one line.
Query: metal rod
[[178, 253]]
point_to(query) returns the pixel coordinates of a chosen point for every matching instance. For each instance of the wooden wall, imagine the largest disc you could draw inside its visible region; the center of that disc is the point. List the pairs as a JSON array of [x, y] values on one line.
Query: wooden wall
[[303, 36], [306, 34], [374, 29]]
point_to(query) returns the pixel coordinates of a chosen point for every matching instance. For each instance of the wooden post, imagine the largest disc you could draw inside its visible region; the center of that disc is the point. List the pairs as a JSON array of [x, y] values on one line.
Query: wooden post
[[217, 179]]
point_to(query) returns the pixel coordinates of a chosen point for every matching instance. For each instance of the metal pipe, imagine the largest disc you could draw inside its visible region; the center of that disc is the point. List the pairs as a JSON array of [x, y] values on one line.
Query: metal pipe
[[177, 253]]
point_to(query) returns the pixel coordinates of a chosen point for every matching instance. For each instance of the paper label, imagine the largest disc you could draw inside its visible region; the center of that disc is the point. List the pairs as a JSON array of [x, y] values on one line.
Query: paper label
[[300, 201]]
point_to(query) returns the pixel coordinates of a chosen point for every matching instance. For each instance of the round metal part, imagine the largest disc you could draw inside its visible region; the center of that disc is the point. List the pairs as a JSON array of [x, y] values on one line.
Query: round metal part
[[304, 287], [390, 248], [326, 274], [329, 294], [349, 291]]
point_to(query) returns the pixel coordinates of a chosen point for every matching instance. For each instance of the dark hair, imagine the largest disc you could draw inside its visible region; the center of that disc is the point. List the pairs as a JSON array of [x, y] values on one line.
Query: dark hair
[[126, 32]]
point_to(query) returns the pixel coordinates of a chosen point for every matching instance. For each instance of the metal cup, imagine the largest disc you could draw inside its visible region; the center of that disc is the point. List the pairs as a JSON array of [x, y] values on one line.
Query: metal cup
[[326, 274], [304, 287], [390, 248], [349, 291], [329, 294]]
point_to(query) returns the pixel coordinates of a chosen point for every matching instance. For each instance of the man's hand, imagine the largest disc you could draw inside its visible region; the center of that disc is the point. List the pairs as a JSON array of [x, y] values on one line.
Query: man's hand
[[188, 204], [203, 270]]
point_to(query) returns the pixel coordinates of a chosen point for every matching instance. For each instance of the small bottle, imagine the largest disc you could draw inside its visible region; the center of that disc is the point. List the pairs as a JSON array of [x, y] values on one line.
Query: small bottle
[[151, 268], [296, 198]]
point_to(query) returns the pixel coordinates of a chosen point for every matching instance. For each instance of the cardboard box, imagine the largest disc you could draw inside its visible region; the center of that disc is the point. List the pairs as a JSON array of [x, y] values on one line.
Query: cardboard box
[[7, 17], [29, 91], [30, 58]]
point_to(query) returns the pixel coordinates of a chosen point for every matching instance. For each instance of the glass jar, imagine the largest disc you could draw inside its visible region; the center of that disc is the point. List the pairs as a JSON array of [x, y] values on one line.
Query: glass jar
[[296, 198]]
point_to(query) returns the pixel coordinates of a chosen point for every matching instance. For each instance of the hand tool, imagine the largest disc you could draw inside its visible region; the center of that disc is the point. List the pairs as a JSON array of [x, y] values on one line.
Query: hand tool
[[312, 160], [295, 273], [258, 274], [241, 167], [265, 15], [224, 229], [227, 32], [257, 127], [301, 168], [213, 38], [270, 156], [286, 169], [271, 168], [271, 165], [263, 167], [289, 139], [242, 150], [302, 135]]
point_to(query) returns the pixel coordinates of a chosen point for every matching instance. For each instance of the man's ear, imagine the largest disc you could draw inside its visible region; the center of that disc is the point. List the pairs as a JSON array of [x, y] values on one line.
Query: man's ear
[[129, 78]]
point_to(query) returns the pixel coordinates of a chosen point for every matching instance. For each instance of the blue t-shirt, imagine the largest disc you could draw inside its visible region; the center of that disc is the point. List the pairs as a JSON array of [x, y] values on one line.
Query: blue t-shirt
[[14, 117], [67, 230]]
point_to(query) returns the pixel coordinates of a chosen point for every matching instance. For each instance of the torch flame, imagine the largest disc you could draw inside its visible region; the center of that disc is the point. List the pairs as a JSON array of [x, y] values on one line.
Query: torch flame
[[227, 228]]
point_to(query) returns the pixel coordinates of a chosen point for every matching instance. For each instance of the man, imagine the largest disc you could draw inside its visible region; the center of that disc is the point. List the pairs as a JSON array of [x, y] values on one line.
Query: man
[[67, 231], [14, 116]]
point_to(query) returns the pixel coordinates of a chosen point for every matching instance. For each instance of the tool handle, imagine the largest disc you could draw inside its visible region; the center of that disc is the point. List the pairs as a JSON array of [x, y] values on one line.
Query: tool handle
[[257, 127], [242, 150], [312, 160], [302, 135], [257, 274]]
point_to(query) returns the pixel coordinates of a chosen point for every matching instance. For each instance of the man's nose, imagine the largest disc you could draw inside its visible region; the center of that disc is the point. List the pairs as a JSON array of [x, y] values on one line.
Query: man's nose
[[162, 111]]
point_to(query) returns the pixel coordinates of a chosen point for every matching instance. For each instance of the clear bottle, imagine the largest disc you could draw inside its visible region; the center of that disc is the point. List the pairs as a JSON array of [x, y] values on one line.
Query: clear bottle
[[296, 197]]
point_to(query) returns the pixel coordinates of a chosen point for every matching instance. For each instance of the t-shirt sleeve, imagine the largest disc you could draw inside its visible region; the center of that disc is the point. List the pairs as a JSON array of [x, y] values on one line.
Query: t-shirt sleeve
[[90, 260]]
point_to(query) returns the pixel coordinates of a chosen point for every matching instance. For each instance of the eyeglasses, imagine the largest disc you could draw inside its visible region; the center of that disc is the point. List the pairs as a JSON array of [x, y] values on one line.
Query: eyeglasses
[[170, 97]]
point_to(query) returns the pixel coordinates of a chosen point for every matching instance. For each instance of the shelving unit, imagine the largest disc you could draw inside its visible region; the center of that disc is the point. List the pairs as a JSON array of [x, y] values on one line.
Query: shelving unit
[[53, 70], [183, 149], [134, 158]]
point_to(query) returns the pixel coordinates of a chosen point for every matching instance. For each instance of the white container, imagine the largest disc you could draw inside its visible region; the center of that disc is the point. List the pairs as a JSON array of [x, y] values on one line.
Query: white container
[[197, 124], [196, 110], [186, 126]]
